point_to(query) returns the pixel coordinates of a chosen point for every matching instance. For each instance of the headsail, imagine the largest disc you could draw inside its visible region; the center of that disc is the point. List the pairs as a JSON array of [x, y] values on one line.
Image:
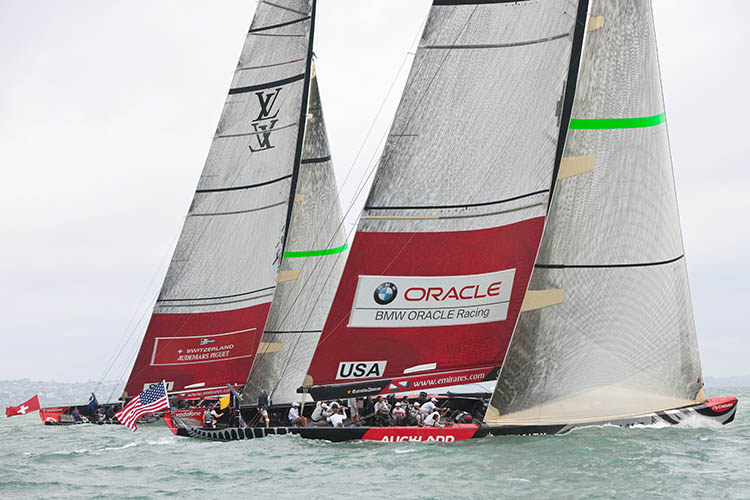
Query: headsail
[[208, 319], [310, 270], [446, 243], [622, 341]]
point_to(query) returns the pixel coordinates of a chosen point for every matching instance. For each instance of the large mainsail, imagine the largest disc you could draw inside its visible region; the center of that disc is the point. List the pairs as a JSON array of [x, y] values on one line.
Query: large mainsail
[[622, 341], [310, 270], [446, 242], [209, 317]]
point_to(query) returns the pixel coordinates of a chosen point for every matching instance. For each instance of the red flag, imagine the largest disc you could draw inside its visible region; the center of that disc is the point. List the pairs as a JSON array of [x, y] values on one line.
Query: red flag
[[24, 408]]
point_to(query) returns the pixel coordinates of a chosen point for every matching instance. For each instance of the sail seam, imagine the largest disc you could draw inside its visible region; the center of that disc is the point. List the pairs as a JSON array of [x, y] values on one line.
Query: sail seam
[[289, 35], [284, 8], [617, 123], [498, 45], [473, 2], [315, 253], [292, 331], [316, 160], [237, 212], [466, 205], [279, 25], [248, 186], [269, 65], [262, 86], [221, 296], [259, 132], [607, 266], [203, 304], [445, 217]]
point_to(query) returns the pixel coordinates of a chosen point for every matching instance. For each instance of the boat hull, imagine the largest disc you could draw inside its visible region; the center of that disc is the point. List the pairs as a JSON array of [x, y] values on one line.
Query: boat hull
[[719, 410]]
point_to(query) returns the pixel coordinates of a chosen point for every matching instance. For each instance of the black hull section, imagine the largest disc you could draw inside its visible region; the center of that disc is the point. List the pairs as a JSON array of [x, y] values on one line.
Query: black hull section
[[720, 410]]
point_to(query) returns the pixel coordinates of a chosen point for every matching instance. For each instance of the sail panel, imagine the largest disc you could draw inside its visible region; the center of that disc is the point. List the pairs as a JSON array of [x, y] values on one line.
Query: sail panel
[[622, 342], [467, 113], [313, 263], [213, 305], [445, 245]]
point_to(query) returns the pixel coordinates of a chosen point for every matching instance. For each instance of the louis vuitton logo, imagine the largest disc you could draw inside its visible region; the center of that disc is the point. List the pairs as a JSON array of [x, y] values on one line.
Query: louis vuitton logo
[[266, 120]]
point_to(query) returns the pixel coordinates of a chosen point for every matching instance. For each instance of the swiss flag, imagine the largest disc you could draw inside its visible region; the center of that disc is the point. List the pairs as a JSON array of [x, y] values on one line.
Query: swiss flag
[[24, 408]]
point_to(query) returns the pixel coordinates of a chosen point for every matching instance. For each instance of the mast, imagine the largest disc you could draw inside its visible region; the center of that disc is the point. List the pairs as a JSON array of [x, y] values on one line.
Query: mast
[[445, 245], [207, 322], [310, 270], [622, 340]]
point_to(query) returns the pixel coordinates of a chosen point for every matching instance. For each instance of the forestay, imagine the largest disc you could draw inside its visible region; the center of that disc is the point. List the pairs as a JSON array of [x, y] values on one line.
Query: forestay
[[213, 305], [310, 270], [622, 341], [446, 242]]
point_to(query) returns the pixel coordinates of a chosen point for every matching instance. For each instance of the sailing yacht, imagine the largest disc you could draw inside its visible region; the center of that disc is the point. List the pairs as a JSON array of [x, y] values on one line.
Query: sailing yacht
[[522, 227], [246, 286]]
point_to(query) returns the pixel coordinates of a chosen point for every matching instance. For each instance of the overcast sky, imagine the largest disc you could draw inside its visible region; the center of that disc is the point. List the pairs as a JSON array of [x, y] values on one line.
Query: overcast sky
[[107, 110]]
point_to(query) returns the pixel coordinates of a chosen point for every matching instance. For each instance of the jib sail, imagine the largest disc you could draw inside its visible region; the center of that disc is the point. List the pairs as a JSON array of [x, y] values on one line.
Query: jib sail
[[311, 268], [622, 341], [440, 263], [208, 320]]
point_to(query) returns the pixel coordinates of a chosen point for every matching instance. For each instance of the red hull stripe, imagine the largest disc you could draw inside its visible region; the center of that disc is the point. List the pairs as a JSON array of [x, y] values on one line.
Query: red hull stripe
[[460, 432], [202, 350], [434, 274]]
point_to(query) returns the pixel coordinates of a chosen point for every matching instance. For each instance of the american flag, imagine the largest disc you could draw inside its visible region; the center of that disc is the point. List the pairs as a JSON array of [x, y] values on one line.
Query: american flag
[[151, 400]]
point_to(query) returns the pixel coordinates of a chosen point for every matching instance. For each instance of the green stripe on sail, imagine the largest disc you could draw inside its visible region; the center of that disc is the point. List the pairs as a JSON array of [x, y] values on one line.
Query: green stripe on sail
[[613, 123], [315, 253]]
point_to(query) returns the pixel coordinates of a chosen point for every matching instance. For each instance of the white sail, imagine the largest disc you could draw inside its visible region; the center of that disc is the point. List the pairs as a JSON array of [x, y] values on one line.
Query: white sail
[[310, 270], [209, 317], [446, 242], [620, 340]]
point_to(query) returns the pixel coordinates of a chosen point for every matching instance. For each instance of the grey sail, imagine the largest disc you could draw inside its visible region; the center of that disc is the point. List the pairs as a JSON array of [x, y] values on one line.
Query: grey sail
[[310, 270], [621, 341], [209, 317], [457, 203]]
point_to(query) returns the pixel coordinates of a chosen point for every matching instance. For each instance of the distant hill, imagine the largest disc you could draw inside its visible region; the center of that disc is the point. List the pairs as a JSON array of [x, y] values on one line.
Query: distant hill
[[13, 392]]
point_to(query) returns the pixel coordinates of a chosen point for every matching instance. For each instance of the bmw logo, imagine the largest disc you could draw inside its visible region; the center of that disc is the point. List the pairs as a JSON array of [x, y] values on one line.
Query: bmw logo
[[385, 293]]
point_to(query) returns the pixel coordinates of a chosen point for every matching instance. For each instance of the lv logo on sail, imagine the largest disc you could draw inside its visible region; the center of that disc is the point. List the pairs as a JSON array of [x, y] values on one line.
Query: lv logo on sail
[[265, 121]]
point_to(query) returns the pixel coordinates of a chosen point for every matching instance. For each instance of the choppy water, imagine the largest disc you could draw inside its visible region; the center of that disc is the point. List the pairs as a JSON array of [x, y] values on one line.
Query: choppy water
[[694, 461]]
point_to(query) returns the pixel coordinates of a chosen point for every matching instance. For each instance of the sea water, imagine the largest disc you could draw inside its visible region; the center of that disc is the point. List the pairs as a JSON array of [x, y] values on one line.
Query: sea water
[[694, 460]]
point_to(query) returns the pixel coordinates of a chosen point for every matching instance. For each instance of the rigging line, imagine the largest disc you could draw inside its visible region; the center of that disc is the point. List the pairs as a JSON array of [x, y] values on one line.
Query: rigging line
[[352, 203], [299, 149], [133, 353], [335, 202], [364, 183], [302, 124], [113, 358], [460, 32], [222, 201]]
